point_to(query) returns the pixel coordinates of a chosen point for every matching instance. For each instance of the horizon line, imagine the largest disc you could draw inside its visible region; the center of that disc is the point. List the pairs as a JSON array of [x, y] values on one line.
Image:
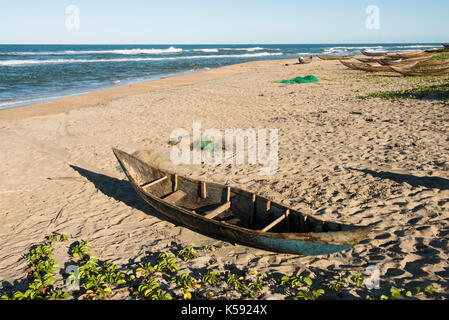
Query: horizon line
[[236, 44]]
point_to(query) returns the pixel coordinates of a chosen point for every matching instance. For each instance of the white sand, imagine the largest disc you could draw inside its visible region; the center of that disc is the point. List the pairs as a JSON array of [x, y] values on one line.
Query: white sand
[[341, 159]]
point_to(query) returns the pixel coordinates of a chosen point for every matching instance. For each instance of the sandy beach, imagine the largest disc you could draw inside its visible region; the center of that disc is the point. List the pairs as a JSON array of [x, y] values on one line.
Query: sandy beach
[[341, 159]]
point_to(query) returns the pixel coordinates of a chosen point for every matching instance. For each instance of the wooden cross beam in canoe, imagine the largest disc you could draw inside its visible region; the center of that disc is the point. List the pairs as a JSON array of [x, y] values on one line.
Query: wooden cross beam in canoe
[[277, 221], [213, 213], [175, 196], [152, 183]]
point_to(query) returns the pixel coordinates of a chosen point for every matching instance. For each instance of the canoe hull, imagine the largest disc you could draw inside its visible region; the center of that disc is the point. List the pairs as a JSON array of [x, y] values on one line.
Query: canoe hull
[[373, 54], [304, 60], [322, 57], [413, 73], [310, 244]]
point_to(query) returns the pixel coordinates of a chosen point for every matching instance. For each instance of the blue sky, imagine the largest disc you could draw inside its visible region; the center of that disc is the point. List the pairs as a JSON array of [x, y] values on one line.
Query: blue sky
[[218, 22]]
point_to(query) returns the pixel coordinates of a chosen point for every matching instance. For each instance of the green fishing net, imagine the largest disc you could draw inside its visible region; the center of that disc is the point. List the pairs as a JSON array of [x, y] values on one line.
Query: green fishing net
[[306, 79]]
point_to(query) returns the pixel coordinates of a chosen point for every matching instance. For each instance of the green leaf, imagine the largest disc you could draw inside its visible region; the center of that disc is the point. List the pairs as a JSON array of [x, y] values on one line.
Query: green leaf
[[307, 281], [396, 294], [429, 290]]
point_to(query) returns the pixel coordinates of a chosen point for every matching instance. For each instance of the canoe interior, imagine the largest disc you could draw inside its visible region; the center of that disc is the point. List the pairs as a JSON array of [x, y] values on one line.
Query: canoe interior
[[246, 209]]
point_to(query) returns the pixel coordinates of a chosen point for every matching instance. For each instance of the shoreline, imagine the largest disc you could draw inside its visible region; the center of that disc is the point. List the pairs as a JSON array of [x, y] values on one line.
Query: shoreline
[[86, 91], [105, 95]]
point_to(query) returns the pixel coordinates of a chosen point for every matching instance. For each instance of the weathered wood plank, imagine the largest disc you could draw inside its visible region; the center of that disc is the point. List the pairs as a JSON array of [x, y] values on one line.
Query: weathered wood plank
[[175, 196], [277, 221], [152, 183], [213, 213]]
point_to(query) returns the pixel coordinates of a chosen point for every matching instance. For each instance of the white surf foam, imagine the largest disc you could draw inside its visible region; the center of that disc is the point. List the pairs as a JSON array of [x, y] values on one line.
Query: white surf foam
[[82, 52], [66, 61]]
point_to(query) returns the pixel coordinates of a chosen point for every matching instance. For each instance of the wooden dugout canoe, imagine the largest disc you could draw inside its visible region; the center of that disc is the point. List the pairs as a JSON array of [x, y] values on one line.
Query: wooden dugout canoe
[[373, 54], [432, 63], [387, 62], [406, 55], [305, 60], [440, 50], [236, 215], [324, 57], [374, 59], [348, 64], [366, 67], [420, 73]]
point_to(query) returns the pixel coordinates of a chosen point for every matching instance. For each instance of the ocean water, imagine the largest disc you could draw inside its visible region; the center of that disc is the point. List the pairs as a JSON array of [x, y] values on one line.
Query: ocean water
[[35, 73]]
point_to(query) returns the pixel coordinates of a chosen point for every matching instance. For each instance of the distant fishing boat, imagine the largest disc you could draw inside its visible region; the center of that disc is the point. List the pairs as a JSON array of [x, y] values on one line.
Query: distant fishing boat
[[348, 64], [366, 67], [432, 63], [389, 62], [420, 73], [305, 60], [406, 55], [236, 215], [373, 54], [328, 57]]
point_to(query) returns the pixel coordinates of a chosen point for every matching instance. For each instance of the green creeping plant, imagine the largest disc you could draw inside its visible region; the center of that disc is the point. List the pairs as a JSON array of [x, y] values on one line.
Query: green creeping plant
[[212, 278], [57, 237], [291, 282], [81, 250], [188, 253], [161, 295], [145, 270], [336, 285], [439, 90], [396, 294], [254, 288], [429, 290], [149, 290], [165, 263], [97, 277], [358, 279], [310, 295], [59, 295], [41, 269], [184, 281], [233, 281]]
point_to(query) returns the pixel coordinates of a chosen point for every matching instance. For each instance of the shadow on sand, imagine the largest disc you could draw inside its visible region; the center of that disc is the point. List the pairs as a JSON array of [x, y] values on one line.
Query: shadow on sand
[[415, 181], [120, 190]]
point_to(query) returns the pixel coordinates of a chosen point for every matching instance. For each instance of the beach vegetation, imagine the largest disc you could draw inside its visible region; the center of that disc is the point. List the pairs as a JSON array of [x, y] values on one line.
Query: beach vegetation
[[100, 279], [57, 237], [337, 285], [166, 263], [254, 288], [149, 289], [81, 250], [357, 279], [41, 276], [212, 278], [184, 280], [233, 281], [291, 282], [310, 294], [188, 253], [437, 91], [441, 56]]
